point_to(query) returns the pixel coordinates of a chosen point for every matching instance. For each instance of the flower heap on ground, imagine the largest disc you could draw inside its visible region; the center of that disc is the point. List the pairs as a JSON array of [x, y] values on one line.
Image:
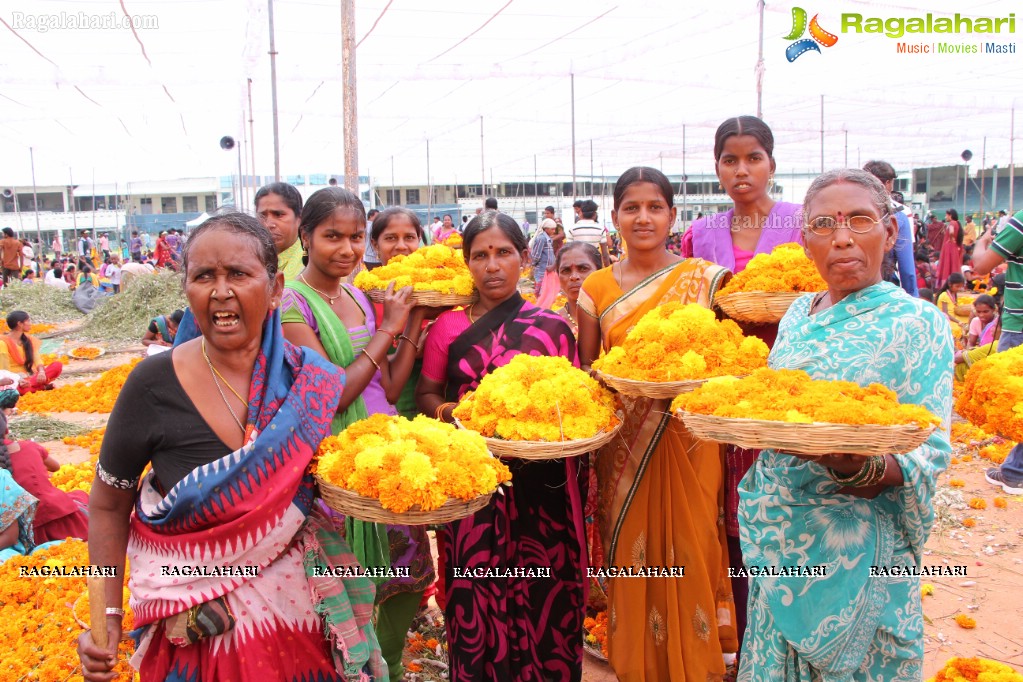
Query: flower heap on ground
[[38, 632], [538, 398], [992, 396], [975, 670], [790, 395], [70, 477], [682, 342], [785, 269], [436, 268], [405, 463], [37, 327], [82, 396]]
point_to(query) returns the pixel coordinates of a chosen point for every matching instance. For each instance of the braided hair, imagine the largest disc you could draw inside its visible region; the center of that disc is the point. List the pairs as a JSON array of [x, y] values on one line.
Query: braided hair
[[13, 320], [5, 456]]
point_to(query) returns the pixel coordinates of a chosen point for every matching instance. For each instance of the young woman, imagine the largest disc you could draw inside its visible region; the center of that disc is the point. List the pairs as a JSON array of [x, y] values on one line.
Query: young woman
[[950, 260], [21, 353], [322, 312], [744, 163], [660, 488], [982, 339], [279, 206], [948, 299], [574, 263], [517, 628]]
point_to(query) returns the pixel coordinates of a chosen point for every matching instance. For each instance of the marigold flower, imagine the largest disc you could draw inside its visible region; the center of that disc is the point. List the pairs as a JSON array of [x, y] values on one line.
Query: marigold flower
[[975, 670], [98, 395], [956, 482], [965, 622], [1001, 503], [969, 522], [926, 590], [992, 396], [978, 503], [436, 268], [786, 268]]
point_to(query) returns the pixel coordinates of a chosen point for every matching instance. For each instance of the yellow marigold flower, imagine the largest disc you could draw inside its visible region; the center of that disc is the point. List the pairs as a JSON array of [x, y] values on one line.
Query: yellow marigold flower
[[789, 395], [958, 669], [437, 268], [926, 589], [786, 268], [992, 396], [965, 622], [978, 503], [956, 482]]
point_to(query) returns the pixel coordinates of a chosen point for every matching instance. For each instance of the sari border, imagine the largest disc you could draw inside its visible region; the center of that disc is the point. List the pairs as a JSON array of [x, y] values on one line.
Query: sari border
[[636, 289], [479, 330]]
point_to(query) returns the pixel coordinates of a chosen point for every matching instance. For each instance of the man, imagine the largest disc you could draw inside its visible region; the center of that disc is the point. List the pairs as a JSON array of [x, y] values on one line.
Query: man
[[12, 258], [902, 254], [279, 207], [989, 253], [370, 257], [490, 204], [1002, 220], [577, 209], [55, 278], [104, 244], [135, 247], [57, 247], [587, 230], [173, 241], [542, 253]]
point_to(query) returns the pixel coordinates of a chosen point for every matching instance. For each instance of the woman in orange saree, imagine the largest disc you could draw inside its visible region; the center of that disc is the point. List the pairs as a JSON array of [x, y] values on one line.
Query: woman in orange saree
[[661, 489]]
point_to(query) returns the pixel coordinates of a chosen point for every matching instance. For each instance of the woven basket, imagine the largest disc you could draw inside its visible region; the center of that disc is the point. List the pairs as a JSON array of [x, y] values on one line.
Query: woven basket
[[806, 439], [594, 651], [759, 307], [533, 449], [650, 389], [367, 509], [71, 353], [430, 299]]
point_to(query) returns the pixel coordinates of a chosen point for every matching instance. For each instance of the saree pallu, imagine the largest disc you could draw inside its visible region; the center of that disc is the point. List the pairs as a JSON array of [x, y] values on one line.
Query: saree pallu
[[661, 499], [844, 624], [16, 506], [517, 628], [253, 510]]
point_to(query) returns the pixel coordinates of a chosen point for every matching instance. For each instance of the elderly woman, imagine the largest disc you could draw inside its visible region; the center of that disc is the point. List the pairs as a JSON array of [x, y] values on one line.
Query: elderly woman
[[229, 435], [842, 512]]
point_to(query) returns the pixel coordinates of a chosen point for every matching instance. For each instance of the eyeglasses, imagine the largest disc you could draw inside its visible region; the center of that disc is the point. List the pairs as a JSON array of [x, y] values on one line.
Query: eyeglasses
[[826, 224]]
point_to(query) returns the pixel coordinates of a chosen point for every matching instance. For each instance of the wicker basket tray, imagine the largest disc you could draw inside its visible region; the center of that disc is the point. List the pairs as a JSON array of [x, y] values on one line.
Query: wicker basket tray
[[594, 650], [73, 353], [650, 389], [806, 439], [367, 509], [430, 299], [533, 449], [759, 307]]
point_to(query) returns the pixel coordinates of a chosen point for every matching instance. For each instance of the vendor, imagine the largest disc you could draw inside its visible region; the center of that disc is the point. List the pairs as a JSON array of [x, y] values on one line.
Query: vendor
[[20, 353]]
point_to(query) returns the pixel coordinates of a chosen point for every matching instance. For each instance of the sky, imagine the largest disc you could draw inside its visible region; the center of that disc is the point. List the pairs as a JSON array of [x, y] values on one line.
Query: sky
[[652, 81]]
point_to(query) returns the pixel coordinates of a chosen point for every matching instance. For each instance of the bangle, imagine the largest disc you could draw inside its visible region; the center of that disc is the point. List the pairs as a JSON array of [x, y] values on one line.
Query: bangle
[[414, 344], [111, 611], [440, 410], [375, 363], [871, 473], [393, 335]]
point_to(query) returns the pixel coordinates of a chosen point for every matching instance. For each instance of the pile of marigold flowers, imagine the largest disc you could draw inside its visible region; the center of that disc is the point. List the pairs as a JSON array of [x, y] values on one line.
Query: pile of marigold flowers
[[37, 327], [785, 269], [71, 477], [790, 395], [84, 396], [91, 441], [966, 433], [85, 352], [992, 396], [996, 452], [38, 632], [405, 463], [47, 358], [596, 631], [454, 240], [432, 268], [538, 399], [682, 342], [975, 670]]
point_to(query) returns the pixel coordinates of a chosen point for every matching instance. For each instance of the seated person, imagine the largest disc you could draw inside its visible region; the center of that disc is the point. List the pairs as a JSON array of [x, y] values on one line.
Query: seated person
[[162, 329], [20, 353], [982, 337]]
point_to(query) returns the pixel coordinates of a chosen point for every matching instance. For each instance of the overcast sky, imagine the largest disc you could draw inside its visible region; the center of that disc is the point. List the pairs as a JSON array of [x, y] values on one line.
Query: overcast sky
[[153, 103]]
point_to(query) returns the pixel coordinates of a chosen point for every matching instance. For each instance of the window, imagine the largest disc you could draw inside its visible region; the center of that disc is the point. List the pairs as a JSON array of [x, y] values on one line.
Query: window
[[169, 205], [211, 203], [412, 196], [146, 205], [393, 197], [189, 204]]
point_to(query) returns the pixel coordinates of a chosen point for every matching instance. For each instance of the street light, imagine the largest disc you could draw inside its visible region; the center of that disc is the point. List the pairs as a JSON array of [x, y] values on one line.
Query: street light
[[966, 156]]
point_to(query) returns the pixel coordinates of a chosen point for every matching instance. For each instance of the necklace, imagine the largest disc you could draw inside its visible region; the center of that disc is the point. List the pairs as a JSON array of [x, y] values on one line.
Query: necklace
[[571, 318], [329, 298], [223, 397], [469, 313]]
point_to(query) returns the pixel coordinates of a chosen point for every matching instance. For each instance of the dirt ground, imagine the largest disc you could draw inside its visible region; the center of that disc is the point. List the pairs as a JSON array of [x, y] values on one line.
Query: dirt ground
[[991, 551]]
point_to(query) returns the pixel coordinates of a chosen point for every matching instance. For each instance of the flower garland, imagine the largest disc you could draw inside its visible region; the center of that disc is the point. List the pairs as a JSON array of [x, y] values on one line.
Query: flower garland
[[432, 268], [992, 396], [38, 631], [538, 398], [405, 463], [83, 396], [785, 269], [959, 669], [681, 342], [790, 395]]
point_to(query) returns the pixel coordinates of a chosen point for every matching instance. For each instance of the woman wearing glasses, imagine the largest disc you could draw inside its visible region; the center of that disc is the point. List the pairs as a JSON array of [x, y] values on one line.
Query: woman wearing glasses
[[842, 512]]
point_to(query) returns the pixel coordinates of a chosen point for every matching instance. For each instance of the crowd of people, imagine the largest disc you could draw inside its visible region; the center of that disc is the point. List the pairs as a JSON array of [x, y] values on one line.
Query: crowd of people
[[277, 350]]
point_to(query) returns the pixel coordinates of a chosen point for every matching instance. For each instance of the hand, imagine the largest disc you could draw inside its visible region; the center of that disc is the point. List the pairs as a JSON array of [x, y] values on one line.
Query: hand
[[842, 464], [98, 664], [422, 312], [23, 384], [987, 238], [6, 380], [397, 306]]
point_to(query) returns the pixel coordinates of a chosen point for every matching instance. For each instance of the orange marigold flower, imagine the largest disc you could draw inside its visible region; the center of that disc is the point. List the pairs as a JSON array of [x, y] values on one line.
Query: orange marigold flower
[[978, 503], [992, 396], [786, 268], [965, 622], [969, 522], [1001, 503], [956, 482]]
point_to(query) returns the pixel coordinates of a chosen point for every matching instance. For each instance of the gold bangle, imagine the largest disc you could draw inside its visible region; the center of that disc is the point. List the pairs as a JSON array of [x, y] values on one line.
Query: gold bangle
[[375, 364], [440, 410], [414, 344]]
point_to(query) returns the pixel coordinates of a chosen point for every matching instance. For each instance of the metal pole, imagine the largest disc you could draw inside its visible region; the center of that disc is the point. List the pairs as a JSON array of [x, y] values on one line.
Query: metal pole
[[1012, 165], [591, 168], [238, 196], [349, 99], [429, 185], [572, 80], [536, 192], [252, 141], [35, 199], [760, 64], [483, 171], [244, 182], [394, 189], [685, 203], [93, 204], [983, 162], [74, 211], [966, 179], [273, 94], [822, 133]]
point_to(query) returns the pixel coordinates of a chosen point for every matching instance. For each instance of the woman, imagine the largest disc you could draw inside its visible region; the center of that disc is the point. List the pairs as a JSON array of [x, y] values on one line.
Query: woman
[[85, 274], [21, 353], [574, 263], [17, 510], [744, 163], [279, 206], [442, 232], [342, 327], [162, 329], [515, 628], [982, 338], [948, 299], [665, 628], [60, 515], [163, 252], [950, 258], [843, 512], [230, 435]]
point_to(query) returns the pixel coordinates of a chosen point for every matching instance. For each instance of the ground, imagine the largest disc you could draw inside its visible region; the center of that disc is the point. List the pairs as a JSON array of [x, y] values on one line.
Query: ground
[[991, 552]]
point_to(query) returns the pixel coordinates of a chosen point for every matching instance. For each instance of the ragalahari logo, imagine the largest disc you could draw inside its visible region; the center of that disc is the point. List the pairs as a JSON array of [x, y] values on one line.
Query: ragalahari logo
[[817, 35]]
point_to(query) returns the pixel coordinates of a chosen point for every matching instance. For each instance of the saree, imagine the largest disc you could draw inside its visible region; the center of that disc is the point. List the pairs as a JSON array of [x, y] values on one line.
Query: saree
[[516, 628], [252, 514], [660, 504], [846, 624], [988, 344], [16, 506]]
